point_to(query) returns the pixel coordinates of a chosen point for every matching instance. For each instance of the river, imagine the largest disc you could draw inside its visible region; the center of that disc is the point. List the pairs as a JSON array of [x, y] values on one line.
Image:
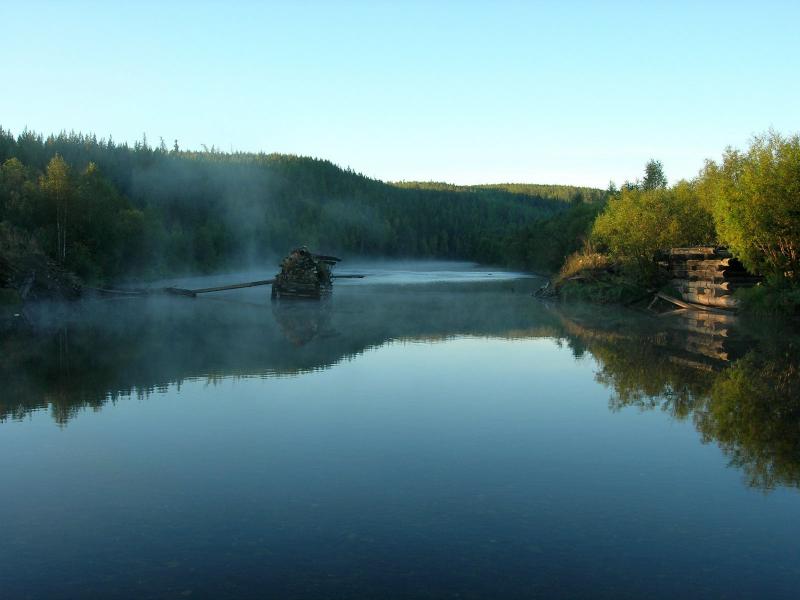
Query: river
[[429, 431]]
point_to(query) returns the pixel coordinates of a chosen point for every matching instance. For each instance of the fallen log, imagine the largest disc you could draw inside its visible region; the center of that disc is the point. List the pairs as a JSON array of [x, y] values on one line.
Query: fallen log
[[108, 292], [237, 286], [690, 305], [220, 288]]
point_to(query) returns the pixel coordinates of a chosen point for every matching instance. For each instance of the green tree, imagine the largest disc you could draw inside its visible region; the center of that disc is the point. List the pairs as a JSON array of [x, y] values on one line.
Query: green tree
[[755, 199], [12, 180], [56, 184], [638, 222], [654, 177]]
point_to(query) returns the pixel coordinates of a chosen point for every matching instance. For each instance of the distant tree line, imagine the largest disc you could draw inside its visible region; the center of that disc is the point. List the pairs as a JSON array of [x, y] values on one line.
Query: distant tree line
[[565, 193], [106, 210]]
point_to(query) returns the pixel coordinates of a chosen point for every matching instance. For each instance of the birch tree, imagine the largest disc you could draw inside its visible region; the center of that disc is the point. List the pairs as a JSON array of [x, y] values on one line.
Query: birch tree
[[56, 184]]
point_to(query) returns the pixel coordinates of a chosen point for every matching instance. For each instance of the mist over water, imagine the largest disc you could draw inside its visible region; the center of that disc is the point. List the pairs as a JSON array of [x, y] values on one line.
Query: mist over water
[[429, 430]]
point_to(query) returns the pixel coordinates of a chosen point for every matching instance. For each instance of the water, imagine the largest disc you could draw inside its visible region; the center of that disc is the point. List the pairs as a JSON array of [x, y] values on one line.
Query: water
[[431, 431]]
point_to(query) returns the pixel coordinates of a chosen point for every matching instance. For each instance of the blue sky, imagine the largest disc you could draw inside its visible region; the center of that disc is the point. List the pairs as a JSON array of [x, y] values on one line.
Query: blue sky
[[466, 92]]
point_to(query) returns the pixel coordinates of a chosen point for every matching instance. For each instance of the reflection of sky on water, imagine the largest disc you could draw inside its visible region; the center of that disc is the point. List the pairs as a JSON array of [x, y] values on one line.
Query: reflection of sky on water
[[377, 272], [412, 273], [417, 445]]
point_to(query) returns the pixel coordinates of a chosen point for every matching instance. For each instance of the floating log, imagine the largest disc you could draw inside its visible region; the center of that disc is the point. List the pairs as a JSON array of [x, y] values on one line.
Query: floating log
[[178, 292], [123, 293], [237, 286], [221, 288]]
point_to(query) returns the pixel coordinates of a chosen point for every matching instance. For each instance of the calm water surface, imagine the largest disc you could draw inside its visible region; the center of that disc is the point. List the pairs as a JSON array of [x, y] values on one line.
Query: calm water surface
[[430, 432]]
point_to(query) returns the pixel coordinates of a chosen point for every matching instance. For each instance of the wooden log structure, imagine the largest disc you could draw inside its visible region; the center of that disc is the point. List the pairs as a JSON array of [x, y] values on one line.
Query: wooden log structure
[[706, 275]]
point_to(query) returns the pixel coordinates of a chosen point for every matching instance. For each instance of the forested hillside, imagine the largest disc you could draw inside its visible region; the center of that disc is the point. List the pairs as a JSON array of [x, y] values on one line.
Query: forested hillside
[[107, 210]]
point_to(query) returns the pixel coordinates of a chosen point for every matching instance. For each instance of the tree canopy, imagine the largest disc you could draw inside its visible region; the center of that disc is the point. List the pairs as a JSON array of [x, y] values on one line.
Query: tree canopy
[[755, 199], [639, 222], [654, 177]]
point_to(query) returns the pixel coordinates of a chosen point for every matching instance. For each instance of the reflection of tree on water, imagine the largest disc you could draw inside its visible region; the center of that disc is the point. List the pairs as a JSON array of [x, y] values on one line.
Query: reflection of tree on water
[[743, 395], [41, 371], [753, 413], [301, 321], [122, 348], [644, 363]]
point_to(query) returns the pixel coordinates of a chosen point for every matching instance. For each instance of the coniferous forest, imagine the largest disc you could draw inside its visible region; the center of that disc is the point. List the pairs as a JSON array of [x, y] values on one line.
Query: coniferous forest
[[108, 211]]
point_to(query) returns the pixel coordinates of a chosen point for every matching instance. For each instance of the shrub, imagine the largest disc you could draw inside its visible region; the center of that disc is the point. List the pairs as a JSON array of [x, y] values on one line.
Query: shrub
[[755, 199], [638, 222]]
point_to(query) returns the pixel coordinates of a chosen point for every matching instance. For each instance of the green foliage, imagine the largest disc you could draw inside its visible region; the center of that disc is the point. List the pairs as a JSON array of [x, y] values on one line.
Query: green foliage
[[108, 211], [750, 203], [772, 298], [589, 276], [545, 244], [57, 190], [755, 199], [639, 222], [582, 261], [605, 288], [754, 414], [654, 177]]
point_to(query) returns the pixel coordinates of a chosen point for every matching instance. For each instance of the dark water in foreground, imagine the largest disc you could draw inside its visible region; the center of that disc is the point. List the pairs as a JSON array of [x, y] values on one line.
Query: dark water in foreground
[[418, 436]]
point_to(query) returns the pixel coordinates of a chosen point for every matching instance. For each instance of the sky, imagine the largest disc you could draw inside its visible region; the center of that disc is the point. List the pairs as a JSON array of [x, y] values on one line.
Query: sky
[[466, 92]]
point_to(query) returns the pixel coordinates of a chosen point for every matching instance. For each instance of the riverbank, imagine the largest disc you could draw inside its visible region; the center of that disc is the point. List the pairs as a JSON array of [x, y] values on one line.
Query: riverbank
[[26, 273], [596, 278]]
